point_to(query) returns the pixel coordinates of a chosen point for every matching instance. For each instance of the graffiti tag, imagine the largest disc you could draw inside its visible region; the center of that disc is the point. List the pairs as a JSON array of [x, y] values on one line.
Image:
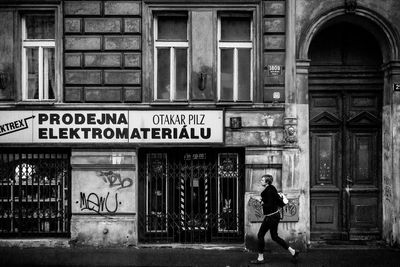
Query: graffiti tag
[[98, 204], [114, 179]]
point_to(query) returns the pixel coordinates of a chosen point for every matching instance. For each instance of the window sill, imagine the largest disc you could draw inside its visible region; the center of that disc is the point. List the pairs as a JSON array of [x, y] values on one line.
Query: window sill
[[168, 103], [228, 103], [36, 103]]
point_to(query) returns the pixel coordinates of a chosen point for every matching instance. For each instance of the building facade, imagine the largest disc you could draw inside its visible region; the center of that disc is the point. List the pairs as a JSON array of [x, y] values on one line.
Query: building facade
[[150, 122]]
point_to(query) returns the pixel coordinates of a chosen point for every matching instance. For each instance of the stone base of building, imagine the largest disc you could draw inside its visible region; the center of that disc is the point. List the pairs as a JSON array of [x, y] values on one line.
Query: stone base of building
[[36, 243], [100, 231]]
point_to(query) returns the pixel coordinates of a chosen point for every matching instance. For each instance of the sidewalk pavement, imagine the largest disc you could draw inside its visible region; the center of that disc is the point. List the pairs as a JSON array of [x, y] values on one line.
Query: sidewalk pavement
[[349, 256]]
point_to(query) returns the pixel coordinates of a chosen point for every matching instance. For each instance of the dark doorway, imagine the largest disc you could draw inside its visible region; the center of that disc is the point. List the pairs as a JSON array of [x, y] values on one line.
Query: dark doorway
[[345, 101], [191, 195]]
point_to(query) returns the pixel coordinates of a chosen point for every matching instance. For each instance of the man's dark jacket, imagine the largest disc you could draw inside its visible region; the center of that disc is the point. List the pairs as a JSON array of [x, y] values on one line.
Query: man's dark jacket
[[270, 199]]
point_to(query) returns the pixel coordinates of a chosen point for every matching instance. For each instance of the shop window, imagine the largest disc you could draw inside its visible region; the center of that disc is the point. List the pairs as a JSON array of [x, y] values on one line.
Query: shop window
[[34, 194], [171, 57], [235, 60], [38, 58]]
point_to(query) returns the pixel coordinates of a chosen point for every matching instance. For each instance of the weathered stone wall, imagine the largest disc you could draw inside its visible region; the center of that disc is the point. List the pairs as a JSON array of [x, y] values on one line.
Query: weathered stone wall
[[391, 159], [103, 198], [262, 134], [7, 49], [274, 28], [263, 130], [102, 51]]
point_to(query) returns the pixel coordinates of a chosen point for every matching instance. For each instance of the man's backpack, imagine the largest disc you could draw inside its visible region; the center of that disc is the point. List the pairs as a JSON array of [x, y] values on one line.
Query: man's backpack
[[282, 200]]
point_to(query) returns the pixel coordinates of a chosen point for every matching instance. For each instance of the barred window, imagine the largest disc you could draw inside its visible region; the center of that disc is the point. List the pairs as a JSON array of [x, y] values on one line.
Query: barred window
[[34, 190]]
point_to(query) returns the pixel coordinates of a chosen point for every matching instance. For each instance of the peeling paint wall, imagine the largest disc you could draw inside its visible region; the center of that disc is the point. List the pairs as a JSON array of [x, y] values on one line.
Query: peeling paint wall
[[103, 198], [262, 132], [393, 182], [387, 175]]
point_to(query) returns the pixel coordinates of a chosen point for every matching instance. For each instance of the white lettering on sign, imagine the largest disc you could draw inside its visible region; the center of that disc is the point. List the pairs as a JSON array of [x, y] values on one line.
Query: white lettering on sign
[[171, 126], [274, 69]]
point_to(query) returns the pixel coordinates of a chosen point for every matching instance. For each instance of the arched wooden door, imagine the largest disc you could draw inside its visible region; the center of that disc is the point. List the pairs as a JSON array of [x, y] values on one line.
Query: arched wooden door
[[345, 102]]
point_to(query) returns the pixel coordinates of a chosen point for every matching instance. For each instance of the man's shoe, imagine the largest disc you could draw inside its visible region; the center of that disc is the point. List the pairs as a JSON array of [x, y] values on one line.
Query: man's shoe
[[296, 254], [257, 262]]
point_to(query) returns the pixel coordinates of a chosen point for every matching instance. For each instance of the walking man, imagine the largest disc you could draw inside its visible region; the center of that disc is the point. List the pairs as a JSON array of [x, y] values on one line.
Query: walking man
[[270, 202]]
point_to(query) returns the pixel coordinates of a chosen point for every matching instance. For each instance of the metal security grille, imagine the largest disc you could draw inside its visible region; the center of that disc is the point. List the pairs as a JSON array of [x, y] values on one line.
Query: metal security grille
[[191, 199], [34, 192]]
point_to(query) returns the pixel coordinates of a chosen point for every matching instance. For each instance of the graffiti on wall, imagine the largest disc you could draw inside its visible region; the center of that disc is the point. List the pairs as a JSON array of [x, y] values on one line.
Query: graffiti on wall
[[114, 179], [104, 193], [290, 212], [99, 204]]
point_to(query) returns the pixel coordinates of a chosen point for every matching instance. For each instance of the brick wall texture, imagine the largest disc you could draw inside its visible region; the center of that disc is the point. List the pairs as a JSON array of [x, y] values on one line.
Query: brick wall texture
[[102, 51]]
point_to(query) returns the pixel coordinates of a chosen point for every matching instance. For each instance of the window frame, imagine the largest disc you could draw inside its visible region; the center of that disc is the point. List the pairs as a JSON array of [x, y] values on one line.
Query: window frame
[[254, 11], [235, 45], [40, 44], [173, 46]]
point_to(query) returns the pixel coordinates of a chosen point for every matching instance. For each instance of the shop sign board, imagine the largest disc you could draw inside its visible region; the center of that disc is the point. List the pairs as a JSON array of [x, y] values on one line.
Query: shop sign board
[[176, 126], [118, 126], [16, 126]]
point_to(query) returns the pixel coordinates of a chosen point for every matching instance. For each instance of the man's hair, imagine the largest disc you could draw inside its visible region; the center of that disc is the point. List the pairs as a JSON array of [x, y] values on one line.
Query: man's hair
[[268, 178]]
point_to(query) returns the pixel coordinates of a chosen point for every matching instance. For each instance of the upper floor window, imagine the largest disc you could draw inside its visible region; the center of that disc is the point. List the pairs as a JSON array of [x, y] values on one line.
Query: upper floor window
[[202, 54], [235, 57], [171, 48], [38, 56]]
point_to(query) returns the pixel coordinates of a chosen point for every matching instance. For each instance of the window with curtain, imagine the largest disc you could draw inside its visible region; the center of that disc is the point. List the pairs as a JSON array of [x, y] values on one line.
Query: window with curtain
[[171, 56], [38, 56], [235, 60]]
